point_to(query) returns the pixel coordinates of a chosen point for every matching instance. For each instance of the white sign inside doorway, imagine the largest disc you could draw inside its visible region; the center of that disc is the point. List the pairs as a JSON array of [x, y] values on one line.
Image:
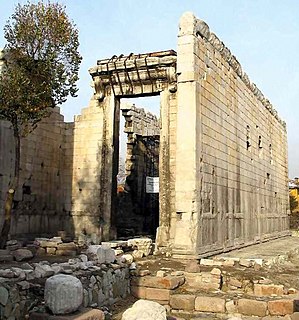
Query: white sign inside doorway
[[152, 185]]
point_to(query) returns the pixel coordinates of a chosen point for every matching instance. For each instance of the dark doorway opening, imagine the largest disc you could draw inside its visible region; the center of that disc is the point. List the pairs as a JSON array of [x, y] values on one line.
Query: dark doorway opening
[[138, 177]]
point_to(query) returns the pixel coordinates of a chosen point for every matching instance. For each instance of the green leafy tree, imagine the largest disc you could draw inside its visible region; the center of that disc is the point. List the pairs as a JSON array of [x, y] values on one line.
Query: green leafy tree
[[40, 71]]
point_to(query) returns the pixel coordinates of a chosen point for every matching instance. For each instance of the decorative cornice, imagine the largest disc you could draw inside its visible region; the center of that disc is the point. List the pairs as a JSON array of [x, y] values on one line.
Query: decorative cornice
[[148, 73], [202, 29]]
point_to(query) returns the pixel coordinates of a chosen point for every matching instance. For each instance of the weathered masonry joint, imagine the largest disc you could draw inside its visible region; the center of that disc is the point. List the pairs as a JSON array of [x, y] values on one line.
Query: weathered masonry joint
[[222, 153]]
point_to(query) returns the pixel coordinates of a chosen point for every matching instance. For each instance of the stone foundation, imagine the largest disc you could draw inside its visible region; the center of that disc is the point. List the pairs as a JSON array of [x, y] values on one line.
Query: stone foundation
[[204, 290]]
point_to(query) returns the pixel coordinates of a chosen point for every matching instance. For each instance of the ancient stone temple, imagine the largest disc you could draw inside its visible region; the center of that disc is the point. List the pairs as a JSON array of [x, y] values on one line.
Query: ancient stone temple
[[222, 154]]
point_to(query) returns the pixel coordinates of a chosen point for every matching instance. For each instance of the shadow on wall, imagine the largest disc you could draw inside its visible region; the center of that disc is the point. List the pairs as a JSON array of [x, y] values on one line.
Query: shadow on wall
[[40, 204], [138, 211]]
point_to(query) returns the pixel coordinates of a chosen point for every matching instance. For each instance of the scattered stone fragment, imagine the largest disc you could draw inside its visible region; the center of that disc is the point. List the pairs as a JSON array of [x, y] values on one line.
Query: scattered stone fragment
[[51, 251], [68, 253], [245, 263], [192, 266], [133, 266], [137, 254], [292, 291], [161, 274], [128, 258], [177, 273], [3, 296], [118, 252], [7, 273], [145, 310], [43, 270], [143, 273], [40, 251], [26, 266], [56, 239], [30, 275], [19, 273], [24, 285], [6, 258], [216, 271], [141, 245], [22, 254], [12, 245], [229, 262], [210, 262], [83, 257]]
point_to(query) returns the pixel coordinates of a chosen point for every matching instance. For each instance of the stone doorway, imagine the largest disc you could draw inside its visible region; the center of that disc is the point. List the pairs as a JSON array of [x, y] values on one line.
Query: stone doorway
[[133, 76], [137, 209]]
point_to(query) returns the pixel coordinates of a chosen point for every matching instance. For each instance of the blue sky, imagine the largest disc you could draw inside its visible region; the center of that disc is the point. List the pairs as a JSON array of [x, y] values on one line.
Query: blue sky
[[263, 34]]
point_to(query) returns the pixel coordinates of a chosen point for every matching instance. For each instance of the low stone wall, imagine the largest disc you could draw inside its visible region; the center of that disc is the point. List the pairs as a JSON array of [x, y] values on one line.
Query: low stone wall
[[22, 288], [203, 290]]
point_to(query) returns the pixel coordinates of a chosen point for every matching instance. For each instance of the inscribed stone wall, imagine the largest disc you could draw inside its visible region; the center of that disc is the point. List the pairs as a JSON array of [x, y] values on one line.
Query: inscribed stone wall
[[39, 199], [243, 155], [240, 163]]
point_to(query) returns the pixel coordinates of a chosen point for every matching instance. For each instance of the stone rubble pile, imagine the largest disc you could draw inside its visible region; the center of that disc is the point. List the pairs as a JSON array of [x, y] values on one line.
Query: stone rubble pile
[[142, 247], [55, 246], [41, 246], [15, 250], [84, 282]]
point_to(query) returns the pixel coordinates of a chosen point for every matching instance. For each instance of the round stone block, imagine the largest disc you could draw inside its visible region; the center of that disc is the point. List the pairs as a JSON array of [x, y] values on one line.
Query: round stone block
[[63, 294]]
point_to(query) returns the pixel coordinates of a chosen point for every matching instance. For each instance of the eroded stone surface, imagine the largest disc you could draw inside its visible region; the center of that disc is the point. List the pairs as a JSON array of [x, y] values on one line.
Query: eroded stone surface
[[63, 294], [145, 310], [22, 254]]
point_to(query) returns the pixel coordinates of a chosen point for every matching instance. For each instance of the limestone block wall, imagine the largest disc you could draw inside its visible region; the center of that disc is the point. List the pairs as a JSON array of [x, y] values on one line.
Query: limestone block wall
[[237, 175], [89, 170], [138, 122], [39, 199]]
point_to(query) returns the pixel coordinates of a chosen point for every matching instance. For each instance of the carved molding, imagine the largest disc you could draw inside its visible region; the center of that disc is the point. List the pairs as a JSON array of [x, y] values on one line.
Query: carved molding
[[135, 74], [202, 29]]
